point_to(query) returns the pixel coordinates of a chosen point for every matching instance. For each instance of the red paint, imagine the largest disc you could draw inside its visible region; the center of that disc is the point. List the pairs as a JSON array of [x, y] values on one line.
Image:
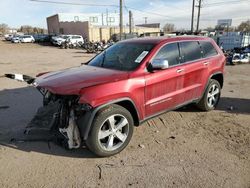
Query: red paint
[[150, 92]]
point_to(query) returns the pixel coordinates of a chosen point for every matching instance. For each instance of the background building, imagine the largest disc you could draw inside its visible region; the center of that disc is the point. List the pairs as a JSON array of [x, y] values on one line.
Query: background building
[[94, 27]]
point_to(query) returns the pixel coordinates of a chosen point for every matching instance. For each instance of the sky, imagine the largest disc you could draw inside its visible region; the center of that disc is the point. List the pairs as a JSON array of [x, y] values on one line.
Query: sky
[[178, 12]]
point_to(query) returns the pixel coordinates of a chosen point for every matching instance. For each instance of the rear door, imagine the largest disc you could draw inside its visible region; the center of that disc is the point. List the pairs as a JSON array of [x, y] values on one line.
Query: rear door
[[195, 68], [211, 58], [164, 87]]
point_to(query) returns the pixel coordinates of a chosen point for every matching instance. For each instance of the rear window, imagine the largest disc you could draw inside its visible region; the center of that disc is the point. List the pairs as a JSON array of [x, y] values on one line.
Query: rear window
[[208, 49], [76, 37], [190, 51]]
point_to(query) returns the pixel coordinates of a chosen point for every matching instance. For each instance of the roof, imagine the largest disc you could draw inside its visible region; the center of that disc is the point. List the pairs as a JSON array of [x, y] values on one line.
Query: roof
[[151, 25], [157, 40]]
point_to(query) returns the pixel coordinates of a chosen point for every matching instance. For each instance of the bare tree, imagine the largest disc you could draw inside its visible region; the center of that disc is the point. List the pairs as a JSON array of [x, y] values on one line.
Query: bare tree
[[168, 28], [210, 29], [3, 28], [244, 26], [26, 29], [31, 30]]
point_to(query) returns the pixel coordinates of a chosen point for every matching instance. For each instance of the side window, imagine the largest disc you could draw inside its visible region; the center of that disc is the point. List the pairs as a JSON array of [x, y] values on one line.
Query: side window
[[190, 51], [208, 49], [169, 52]]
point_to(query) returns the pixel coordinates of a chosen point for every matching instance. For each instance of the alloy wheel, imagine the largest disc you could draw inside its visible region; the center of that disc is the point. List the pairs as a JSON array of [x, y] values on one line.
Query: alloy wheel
[[213, 95], [113, 132]]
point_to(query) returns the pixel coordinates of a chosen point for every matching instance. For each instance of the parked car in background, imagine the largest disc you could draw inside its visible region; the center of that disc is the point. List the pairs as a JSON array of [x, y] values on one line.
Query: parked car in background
[[27, 39], [75, 39], [58, 40], [8, 37], [241, 58], [41, 38], [70, 39], [16, 39]]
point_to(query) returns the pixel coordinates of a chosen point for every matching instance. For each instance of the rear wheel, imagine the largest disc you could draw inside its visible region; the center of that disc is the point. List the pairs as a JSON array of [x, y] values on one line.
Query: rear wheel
[[211, 96], [111, 131]]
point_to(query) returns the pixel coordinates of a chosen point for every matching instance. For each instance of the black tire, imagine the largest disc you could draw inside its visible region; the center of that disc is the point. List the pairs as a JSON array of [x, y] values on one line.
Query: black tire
[[204, 103], [95, 144]]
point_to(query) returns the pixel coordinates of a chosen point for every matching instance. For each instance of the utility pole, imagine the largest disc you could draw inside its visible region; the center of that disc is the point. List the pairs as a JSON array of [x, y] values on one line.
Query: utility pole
[[198, 19], [102, 20], [130, 21], [121, 20], [192, 20], [145, 19], [107, 17]]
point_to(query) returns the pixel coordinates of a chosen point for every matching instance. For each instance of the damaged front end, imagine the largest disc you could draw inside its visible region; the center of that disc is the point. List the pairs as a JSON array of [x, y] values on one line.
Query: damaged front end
[[59, 114]]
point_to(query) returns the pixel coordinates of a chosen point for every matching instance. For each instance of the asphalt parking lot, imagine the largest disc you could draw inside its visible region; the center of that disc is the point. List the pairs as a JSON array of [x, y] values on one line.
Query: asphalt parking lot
[[182, 148]]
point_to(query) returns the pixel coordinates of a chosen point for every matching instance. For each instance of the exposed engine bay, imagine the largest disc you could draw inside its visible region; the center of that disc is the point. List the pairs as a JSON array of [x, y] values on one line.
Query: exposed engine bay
[[58, 114]]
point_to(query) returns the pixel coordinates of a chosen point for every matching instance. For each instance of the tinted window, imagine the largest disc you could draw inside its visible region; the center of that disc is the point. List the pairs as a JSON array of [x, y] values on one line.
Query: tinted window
[[122, 56], [76, 37], [190, 51], [208, 49], [169, 52]]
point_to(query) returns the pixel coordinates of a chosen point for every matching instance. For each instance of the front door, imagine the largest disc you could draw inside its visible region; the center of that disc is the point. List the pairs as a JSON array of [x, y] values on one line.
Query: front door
[[163, 89]]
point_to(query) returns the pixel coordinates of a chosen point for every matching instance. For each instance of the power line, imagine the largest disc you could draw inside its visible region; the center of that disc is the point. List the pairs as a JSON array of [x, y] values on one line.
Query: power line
[[145, 12], [224, 2], [148, 12], [124, 5], [77, 4], [100, 5]]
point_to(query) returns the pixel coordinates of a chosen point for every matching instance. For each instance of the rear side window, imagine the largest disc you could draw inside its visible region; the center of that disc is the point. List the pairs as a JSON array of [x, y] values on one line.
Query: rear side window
[[190, 51], [169, 52], [208, 49]]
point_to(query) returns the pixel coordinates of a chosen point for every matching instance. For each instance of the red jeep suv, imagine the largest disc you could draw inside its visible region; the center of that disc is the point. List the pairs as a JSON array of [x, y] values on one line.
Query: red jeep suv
[[133, 80]]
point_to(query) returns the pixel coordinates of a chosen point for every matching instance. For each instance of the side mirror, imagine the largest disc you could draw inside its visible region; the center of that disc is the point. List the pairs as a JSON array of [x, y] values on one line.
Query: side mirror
[[160, 64]]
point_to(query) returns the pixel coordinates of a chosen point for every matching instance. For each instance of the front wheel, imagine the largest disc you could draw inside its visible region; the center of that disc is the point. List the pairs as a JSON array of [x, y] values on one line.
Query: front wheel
[[111, 131], [211, 96]]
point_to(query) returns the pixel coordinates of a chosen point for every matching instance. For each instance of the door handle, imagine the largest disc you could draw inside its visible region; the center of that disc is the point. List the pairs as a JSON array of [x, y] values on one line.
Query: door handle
[[206, 63], [179, 70]]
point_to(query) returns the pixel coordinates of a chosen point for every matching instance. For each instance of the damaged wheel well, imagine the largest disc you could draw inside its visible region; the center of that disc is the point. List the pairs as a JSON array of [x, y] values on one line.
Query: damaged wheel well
[[219, 78], [88, 118], [131, 108]]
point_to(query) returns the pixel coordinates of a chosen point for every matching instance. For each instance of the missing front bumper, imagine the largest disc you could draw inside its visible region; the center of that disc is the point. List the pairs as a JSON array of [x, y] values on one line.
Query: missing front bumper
[[58, 118]]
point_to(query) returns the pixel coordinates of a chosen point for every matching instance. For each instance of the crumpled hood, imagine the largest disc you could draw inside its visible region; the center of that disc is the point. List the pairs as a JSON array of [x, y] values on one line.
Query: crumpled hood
[[71, 81]]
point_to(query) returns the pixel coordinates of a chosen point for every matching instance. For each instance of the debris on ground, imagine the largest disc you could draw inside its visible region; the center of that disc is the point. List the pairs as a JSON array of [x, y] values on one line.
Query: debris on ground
[[172, 137], [158, 142], [4, 107], [141, 146], [230, 108]]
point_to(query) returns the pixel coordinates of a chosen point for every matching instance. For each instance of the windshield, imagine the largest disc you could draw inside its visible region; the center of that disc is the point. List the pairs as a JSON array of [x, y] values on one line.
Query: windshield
[[122, 56]]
